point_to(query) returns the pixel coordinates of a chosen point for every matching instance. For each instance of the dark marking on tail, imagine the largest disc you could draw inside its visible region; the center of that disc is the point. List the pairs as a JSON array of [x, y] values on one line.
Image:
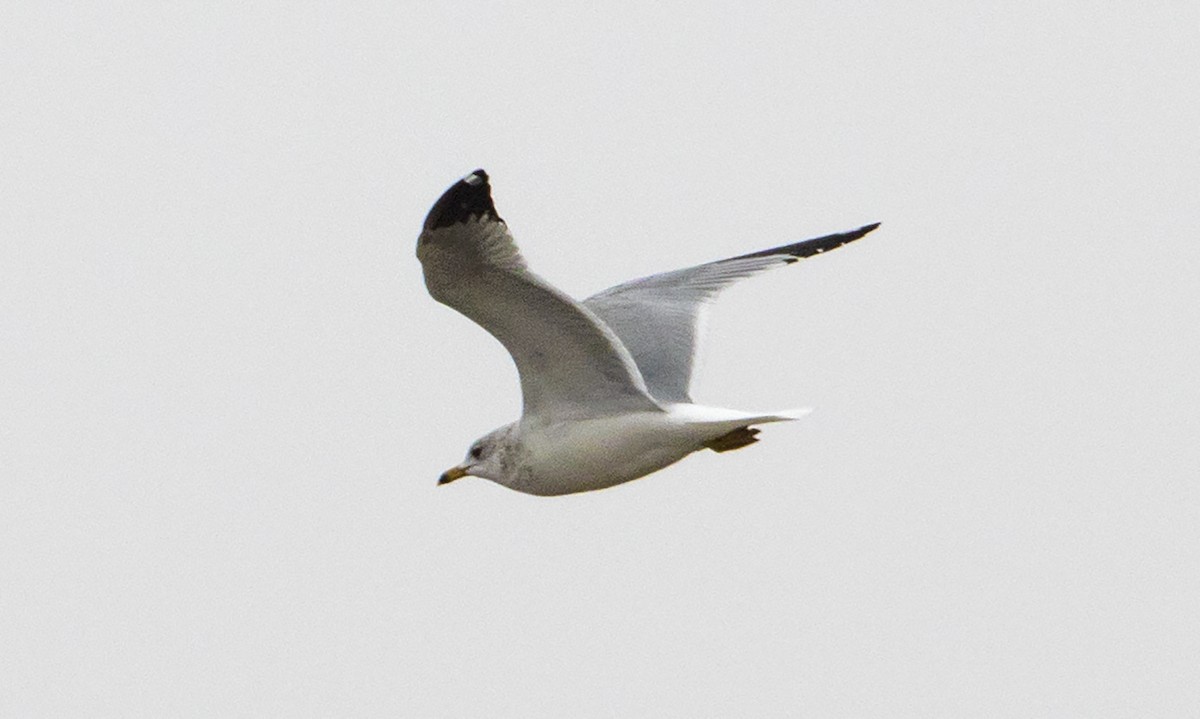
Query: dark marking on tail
[[738, 438]]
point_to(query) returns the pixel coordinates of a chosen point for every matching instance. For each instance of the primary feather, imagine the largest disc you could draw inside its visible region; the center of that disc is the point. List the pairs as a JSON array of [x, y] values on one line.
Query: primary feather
[[659, 318], [570, 363]]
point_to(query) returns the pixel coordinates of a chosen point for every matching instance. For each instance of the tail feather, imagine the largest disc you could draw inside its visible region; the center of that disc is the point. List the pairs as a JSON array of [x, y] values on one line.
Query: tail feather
[[785, 415], [743, 433]]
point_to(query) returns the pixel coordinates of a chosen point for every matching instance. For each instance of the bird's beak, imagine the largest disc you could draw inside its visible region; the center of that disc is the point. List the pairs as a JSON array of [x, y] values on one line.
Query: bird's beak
[[452, 474]]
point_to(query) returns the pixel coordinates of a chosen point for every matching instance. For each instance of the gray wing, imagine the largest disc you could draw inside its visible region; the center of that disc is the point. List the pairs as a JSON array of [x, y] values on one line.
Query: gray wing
[[659, 318], [571, 365]]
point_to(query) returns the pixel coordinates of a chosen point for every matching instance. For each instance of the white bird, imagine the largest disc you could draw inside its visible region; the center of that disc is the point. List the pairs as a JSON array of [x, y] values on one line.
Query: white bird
[[604, 381]]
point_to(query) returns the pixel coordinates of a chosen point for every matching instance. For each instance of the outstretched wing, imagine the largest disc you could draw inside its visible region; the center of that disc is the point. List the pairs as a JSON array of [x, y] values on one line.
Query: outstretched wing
[[659, 318], [571, 365]]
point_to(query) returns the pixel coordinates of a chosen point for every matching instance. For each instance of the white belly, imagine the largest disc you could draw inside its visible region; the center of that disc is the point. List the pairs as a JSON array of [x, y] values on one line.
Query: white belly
[[597, 453]]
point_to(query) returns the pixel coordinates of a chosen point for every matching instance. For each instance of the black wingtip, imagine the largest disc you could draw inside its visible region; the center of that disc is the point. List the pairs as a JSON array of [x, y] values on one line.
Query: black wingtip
[[808, 248], [815, 246], [469, 198]]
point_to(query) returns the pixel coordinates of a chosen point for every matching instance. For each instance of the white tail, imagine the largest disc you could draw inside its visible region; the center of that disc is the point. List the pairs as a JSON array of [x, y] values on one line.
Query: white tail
[[735, 432], [733, 417], [785, 415]]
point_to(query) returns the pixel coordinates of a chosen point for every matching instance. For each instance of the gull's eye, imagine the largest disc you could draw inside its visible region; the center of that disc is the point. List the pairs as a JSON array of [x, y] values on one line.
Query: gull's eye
[[476, 452]]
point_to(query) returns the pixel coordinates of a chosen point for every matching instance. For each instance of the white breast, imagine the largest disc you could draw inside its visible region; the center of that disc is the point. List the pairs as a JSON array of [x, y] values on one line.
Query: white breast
[[597, 453]]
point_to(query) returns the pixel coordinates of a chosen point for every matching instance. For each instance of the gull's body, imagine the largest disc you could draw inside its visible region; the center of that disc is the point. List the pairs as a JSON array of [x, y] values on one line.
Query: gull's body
[[604, 381], [586, 454]]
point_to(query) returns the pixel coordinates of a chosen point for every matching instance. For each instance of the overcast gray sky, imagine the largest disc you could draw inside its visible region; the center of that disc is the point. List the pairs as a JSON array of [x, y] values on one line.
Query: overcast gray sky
[[226, 395]]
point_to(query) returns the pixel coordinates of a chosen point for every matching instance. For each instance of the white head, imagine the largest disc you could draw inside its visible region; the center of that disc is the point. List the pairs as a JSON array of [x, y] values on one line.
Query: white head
[[491, 457]]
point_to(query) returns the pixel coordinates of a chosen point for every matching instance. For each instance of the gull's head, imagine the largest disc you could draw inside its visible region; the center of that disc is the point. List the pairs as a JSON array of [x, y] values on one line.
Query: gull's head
[[488, 457]]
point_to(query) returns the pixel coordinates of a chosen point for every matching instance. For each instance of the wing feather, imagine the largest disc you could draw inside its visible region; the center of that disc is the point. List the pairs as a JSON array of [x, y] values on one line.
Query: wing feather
[[659, 318], [570, 363]]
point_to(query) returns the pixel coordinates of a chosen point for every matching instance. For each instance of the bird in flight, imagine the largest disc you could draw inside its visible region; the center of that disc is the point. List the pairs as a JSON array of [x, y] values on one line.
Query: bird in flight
[[604, 381]]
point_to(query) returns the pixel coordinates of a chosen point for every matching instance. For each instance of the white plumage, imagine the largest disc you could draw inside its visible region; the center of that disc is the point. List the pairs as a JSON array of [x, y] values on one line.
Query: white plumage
[[605, 382]]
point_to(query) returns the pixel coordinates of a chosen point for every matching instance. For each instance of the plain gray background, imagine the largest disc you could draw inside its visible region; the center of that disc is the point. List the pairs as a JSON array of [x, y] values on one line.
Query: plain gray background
[[226, 395]]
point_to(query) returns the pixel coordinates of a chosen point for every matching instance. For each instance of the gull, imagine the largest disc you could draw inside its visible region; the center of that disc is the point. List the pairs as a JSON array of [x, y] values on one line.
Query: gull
[[604, 382]]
